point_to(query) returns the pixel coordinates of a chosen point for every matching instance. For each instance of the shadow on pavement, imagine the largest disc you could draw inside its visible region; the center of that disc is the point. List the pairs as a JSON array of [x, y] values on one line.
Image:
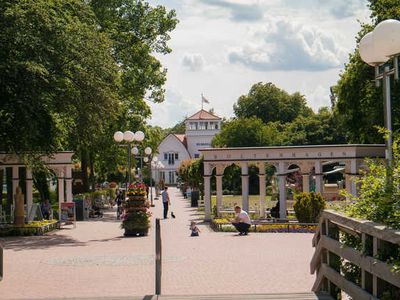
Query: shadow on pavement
[[40, 242]]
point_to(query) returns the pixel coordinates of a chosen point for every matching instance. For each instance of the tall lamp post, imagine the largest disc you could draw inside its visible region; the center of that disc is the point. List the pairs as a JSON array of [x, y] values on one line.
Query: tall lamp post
[[376, 48], [152, 161], [129, 137]]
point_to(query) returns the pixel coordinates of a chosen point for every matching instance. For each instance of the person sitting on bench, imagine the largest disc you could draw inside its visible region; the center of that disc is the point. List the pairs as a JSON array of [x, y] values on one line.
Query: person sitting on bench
[[242, 221]]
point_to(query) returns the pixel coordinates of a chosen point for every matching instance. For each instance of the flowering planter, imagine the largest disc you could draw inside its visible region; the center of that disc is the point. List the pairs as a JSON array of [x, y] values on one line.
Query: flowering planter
[[136, 216]]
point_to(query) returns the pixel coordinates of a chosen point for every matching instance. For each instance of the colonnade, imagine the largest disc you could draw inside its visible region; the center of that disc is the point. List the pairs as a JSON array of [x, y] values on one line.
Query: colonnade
[[309, 159], [60, 163]]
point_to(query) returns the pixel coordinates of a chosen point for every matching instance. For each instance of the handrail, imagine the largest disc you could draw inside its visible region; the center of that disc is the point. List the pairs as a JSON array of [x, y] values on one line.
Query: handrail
[[331, 250]]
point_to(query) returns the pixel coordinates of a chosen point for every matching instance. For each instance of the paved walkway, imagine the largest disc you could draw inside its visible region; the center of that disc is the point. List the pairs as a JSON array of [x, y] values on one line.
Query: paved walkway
[[95, 260]]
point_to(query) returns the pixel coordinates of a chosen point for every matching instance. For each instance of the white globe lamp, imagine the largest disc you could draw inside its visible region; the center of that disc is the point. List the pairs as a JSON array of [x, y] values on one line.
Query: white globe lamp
[[146, 159], [118, 136], [129, 136], [135, 151], [386, 37], [368, 51], [155, 159], [139, 136], [147, 150]]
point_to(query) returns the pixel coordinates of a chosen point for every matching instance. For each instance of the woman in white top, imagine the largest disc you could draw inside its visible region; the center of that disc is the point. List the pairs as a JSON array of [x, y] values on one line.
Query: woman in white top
[[242, 221]]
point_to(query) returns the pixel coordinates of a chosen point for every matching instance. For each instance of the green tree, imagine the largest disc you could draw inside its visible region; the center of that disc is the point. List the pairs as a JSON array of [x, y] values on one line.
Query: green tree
[[317, 129], [269, 103], [359, 104], [247, 132]]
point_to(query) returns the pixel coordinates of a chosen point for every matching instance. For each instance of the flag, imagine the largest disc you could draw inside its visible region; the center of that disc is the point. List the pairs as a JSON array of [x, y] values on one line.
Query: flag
[[204, 100]]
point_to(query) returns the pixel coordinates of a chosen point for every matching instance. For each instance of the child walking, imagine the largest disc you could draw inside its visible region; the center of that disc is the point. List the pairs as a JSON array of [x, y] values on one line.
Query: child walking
[[195, 230]]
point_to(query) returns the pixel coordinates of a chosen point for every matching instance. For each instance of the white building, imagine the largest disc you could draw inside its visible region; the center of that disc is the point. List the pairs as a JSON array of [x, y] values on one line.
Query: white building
[[175, 148]]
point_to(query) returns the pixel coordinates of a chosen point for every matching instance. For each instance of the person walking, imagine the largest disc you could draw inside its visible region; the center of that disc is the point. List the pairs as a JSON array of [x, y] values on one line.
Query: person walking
[[166, 201], [242, 221], [118, 200]]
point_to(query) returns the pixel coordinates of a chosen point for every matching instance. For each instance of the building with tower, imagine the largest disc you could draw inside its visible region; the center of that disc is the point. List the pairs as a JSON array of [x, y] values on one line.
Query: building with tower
[[175, 148]]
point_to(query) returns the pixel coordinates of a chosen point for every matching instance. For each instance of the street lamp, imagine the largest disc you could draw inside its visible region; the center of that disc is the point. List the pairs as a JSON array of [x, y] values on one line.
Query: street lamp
[[376, 48], [129, 137]]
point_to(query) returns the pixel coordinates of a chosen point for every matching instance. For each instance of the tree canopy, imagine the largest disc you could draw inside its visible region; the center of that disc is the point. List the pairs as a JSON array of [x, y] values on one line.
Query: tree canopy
[[72, 72], [270, 103], [359, 103]]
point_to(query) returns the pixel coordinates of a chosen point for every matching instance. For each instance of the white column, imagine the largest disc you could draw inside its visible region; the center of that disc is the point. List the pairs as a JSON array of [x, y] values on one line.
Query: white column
[[219, 193], [29, 189], [15, 184], [68, 183], [306, 182], [261, 177], [207, 192], [245, 186], [282, 190], [15, 181], [319, 180], [61, 192], [351, 175]]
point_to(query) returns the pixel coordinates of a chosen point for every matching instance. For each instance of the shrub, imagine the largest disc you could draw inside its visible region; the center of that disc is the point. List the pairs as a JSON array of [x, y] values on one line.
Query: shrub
[[308, 207]]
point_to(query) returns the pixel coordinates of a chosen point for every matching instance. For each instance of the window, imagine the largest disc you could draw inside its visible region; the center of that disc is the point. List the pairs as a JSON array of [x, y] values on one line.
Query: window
[[176, 156], [171, 177], [193, 126], [196, 156], [203, 125], [171, 158], [165, 156], [213, 125]]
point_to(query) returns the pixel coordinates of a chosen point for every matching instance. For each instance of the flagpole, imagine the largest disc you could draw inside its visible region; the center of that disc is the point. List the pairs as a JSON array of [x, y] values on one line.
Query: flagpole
[[202, 102]]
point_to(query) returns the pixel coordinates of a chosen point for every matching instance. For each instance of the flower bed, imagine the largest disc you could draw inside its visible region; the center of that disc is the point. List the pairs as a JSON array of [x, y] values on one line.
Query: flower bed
[[33, 228], [223, 225]]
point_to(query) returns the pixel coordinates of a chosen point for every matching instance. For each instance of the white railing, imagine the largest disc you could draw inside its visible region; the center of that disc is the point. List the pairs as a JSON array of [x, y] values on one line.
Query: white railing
[[355, 257]]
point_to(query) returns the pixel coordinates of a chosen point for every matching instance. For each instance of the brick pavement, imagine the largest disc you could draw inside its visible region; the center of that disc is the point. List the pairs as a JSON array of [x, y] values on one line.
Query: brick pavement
[[94, 260]]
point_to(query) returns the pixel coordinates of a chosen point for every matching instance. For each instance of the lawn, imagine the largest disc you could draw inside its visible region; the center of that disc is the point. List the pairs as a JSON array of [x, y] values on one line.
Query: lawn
[[229, 201]]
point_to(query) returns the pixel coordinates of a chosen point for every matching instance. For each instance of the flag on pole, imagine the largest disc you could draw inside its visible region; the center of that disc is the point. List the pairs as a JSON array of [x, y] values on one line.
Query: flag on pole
[[204, 100]]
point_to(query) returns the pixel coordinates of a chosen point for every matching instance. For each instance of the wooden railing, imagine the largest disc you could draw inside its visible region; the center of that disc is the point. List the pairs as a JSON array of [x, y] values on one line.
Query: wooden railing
[[355, 257]]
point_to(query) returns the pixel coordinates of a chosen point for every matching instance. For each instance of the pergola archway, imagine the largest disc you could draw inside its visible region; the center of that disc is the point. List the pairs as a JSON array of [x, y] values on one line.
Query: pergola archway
[[59, 162], [309, 159]]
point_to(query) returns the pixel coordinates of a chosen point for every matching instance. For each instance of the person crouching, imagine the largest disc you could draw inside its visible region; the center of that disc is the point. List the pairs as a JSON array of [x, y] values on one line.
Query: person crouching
[[242, 221]]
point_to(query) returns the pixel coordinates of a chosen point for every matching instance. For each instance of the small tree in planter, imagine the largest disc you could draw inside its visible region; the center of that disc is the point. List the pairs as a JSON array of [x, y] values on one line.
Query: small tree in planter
[[136, 216], [308, 207]]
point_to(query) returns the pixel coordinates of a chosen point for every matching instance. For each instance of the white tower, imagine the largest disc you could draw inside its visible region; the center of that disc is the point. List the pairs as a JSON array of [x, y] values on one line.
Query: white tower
[[200, 130]]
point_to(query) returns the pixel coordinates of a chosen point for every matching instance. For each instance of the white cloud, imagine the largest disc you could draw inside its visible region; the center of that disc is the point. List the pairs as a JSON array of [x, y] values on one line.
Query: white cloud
[[174, 109], [284, 45], [239, 12], [193, 61], [303, 53]]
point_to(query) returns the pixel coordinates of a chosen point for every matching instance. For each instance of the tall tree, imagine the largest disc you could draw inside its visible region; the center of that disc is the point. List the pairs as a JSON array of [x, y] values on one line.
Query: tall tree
[[247, 132], [359, 104], [269, 103]]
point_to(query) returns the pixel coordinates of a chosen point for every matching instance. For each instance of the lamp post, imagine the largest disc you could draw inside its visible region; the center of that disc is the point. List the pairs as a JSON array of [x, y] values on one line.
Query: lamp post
[[376, 48], [129, 137]]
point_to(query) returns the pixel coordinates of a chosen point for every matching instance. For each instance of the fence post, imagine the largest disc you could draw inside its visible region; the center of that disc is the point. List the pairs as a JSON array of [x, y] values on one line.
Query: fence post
[[1, 262], [158, 258]]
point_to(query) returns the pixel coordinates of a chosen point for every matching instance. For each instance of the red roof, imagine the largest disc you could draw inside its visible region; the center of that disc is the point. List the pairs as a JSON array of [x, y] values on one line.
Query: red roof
[[182, 139], [203, 115]]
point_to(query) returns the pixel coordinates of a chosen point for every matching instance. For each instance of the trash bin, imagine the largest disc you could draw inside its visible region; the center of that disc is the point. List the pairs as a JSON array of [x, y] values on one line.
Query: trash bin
[[79, 209], [194, 199]]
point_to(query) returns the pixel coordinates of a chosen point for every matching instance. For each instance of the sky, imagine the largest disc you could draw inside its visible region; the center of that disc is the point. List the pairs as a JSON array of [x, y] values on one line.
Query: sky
[[222, 47]]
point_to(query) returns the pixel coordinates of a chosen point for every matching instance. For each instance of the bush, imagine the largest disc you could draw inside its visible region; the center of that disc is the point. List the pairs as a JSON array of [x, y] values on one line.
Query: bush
[[308, 207]]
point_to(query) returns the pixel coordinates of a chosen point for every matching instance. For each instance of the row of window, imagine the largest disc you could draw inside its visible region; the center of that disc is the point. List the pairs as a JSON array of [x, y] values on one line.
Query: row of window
[[203, 125]]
